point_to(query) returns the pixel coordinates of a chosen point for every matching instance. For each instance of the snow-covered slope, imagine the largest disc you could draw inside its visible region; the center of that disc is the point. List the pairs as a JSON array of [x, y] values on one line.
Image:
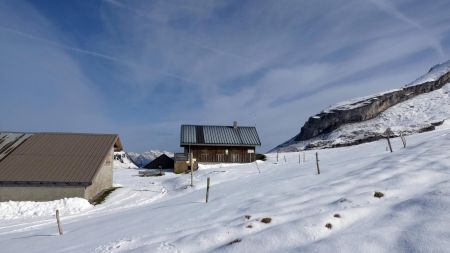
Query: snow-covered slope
[[418, 114], [367, 118], [163, 214], [142, 159], [123, 160]]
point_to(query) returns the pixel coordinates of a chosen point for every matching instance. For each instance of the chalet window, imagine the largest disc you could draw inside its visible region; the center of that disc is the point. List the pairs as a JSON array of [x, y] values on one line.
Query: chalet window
[[235, 158]]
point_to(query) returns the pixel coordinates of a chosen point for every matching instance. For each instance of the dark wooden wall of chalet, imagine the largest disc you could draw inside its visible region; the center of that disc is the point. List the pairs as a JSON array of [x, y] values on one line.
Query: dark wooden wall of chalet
[[164, 161], [216, 154]]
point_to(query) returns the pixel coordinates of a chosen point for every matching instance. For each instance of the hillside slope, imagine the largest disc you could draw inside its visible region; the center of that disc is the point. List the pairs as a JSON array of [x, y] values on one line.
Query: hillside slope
[[417, 107], [411, 217]]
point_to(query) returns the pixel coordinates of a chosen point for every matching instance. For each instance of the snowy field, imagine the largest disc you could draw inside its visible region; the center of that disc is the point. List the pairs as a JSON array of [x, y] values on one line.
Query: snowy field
[[164, 214]]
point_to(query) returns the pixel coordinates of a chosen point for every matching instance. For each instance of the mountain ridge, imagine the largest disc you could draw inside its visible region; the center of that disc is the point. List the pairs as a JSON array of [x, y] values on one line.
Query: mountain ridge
[[319, 131]]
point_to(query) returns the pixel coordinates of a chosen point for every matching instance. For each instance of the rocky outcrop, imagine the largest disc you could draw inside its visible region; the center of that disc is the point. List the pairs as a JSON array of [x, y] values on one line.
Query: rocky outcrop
[[327, 121]]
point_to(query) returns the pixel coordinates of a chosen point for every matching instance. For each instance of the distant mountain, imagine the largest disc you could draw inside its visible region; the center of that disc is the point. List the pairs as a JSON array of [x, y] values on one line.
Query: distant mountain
[[416, 107], [123, 160], [142, 159]]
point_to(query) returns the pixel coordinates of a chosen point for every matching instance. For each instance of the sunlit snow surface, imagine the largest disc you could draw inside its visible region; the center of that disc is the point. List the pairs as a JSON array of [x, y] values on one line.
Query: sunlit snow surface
[[163, 214], [25, 209]]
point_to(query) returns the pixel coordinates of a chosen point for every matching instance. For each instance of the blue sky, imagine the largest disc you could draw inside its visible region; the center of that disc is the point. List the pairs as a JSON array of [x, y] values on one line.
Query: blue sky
[[143, 68]]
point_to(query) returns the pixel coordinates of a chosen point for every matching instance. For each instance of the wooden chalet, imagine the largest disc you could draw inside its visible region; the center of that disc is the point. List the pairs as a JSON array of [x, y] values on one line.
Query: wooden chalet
[[220, 144]]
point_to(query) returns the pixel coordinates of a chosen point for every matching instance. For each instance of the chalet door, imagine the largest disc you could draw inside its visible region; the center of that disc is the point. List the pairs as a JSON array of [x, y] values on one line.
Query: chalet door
[[235, 158]]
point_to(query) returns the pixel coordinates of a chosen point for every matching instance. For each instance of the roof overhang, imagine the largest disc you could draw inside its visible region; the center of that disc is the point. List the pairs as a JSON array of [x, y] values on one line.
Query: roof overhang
[[37, 183], [118, 144], [217, 145]]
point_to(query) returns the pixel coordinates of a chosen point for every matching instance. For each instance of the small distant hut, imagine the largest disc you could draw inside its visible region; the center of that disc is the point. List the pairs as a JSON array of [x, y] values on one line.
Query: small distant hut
[[161, 162], [182, 163]]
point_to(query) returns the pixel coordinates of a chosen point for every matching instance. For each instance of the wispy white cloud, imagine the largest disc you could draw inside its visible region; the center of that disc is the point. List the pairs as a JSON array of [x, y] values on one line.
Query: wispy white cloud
[[218, 61], [388, 7]]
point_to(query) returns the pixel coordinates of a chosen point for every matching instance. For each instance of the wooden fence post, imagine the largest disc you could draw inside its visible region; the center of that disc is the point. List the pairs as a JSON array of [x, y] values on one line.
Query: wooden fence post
[[192, 167], [58, 222], [257, 166], [277, 156], [285, 159], [304, 157], [207, 189], [389, 144], [299, 158], [403, 139], [317, 163], [388, 135]]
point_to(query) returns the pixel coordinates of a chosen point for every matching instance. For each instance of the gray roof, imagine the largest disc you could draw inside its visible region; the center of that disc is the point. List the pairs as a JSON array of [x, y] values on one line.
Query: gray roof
[[219, 135], [55, 158]]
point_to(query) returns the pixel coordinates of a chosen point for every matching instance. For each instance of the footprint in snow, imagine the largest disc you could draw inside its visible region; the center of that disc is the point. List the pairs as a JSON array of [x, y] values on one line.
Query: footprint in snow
[[115, 246], [167, 247]]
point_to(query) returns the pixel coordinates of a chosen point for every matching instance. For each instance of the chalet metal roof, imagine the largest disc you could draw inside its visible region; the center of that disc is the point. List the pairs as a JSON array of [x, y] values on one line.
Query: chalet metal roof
[[55, 158], [219, 135]]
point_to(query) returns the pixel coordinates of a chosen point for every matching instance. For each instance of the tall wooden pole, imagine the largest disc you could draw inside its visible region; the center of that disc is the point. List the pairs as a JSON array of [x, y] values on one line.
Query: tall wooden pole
[[317, 163], [59, 222], [207, 189], [304, 157], [192, 166], [389, 143]]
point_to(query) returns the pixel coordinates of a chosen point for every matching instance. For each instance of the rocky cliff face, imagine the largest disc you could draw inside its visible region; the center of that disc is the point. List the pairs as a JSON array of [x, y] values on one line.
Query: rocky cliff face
[[327, 121], [420, 106]]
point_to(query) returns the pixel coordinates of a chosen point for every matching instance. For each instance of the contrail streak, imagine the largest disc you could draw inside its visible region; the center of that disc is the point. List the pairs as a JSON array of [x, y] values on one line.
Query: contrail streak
[[388, 7], [143, 14], [96, 54]]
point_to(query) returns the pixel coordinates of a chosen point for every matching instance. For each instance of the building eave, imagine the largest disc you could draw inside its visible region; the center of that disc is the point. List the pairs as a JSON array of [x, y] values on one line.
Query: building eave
[[219, 145]]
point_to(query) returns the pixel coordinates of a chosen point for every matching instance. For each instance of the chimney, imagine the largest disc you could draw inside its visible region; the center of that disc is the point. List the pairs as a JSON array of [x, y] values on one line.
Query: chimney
[[234, 124]]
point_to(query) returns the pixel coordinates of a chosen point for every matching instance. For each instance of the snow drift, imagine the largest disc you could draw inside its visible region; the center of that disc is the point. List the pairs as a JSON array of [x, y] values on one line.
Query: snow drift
[[25, 209]]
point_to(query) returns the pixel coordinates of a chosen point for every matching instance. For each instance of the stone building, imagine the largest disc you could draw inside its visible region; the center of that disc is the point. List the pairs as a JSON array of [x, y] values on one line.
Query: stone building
[[50, 166]]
